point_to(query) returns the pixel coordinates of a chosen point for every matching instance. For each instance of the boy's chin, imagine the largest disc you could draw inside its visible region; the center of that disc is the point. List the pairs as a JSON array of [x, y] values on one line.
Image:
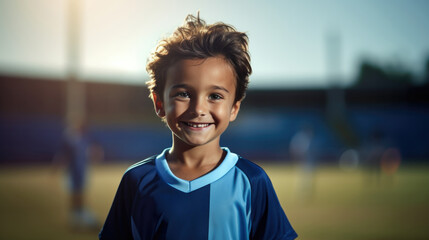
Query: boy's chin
[[197, 142]]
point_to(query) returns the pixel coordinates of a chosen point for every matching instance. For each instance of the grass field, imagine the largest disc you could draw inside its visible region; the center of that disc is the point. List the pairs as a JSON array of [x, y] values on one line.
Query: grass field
[[337, 205]]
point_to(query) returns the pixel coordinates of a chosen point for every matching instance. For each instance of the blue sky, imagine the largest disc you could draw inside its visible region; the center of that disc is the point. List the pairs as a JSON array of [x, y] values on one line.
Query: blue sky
[[288, 39]]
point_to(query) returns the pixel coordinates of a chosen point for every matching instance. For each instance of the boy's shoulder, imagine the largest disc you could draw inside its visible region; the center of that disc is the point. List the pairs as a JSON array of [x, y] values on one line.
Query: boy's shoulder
[[252, 170], [148, 162], [141, 168]]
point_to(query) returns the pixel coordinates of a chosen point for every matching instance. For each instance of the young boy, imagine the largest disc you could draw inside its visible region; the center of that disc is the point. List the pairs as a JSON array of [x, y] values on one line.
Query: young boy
[[196, 189]]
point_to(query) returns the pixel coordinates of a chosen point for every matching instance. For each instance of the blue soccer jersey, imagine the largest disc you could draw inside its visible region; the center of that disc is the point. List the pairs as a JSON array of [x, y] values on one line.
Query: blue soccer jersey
[[234, 201]]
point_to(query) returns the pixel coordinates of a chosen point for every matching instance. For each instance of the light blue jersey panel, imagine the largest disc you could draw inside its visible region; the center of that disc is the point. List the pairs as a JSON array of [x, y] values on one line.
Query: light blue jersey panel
[[230, 199]]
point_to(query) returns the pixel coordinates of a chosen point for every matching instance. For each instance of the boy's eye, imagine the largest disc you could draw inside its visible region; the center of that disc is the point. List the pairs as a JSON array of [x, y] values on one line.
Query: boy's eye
[[182, 94], [215, 96]]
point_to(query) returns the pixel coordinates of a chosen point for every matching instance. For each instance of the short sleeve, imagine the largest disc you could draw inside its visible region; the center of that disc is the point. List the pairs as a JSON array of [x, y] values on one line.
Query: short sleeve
[[268, 220], [118, 221]]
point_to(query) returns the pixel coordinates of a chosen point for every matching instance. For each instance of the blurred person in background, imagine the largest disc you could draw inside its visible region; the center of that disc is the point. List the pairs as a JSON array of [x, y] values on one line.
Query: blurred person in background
[[381, 158], [75, 154], [301, 151], [372, 153]]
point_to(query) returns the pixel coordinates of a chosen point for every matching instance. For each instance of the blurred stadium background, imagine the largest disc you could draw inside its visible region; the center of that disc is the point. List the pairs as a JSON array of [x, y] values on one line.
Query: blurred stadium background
[[349, 161]]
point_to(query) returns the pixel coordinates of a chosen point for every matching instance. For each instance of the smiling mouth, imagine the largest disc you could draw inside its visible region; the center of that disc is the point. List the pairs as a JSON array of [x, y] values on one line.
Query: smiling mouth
[[197, 125]]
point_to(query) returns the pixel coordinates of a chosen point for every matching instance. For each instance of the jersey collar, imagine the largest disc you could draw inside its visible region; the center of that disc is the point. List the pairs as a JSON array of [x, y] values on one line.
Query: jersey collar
[[189, 186]]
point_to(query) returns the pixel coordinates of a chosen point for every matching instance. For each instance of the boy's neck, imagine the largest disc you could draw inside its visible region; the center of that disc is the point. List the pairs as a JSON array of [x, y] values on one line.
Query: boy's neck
[[195, 156]]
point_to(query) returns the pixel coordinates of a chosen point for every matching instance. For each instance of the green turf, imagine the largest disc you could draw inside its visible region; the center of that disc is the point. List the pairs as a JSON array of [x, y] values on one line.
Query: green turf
[[326, 204]]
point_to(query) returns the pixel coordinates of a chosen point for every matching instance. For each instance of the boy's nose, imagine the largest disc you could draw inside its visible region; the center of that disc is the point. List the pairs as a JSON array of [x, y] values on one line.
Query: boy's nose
[[199, 107]]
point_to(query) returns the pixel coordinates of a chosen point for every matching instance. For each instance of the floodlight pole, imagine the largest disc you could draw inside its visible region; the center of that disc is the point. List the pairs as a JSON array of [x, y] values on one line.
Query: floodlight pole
[[75, 92], [335, 96], [336, 103]]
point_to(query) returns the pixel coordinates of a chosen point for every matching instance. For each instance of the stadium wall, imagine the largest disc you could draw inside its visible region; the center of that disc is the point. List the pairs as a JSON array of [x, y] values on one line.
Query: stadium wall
[[122, 121]]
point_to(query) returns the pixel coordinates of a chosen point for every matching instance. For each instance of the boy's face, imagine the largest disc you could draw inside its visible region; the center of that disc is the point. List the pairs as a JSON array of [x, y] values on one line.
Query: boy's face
[[198, 100]]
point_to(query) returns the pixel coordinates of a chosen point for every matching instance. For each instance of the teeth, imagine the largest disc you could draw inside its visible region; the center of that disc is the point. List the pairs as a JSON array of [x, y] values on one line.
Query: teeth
[[201, 125]]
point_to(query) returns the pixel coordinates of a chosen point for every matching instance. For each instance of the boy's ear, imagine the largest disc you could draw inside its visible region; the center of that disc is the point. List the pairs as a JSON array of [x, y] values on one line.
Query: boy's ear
[[234, 111], [158, 105]]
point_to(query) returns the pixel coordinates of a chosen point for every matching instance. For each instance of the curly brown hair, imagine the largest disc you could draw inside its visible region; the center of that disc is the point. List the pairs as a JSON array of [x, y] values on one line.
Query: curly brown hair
[[197, 40]]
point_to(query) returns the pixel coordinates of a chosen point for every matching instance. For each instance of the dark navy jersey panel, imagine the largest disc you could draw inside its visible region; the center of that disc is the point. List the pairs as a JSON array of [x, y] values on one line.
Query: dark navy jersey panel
[[145, 207], [162, 212], [267, 216], [118, 222]]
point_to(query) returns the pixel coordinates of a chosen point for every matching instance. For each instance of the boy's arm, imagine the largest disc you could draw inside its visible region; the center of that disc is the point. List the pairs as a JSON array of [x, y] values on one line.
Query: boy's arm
[[118, 222], [268, 218]]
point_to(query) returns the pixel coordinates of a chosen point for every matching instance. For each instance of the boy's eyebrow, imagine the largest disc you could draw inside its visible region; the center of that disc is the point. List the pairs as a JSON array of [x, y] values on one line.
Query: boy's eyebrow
[[179, 86], [220, 88], [215, 87]]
